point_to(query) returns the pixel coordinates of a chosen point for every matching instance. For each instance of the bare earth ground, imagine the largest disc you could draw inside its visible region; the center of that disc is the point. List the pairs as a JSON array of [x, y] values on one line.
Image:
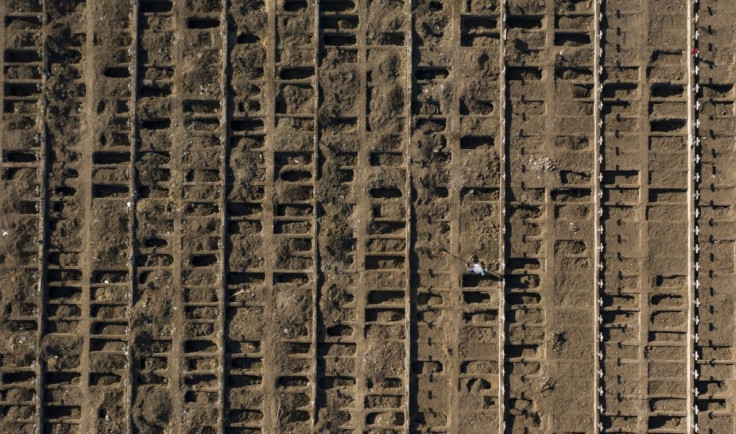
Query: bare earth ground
[[239, 216]]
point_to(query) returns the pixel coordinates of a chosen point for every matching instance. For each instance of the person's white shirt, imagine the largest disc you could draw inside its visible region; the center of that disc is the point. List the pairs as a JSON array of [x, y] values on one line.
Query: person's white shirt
[[477, 269]]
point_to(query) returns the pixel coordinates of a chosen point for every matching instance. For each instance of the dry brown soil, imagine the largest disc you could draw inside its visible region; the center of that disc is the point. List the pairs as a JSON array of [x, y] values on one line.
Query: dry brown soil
[[241, 216]]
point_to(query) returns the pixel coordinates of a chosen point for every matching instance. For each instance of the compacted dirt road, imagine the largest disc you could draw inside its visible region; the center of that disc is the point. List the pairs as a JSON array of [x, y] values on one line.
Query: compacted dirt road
[[240, 216]]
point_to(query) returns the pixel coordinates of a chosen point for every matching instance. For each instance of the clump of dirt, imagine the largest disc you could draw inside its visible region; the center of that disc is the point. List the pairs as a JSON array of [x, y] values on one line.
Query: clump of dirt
[[543, 164], [152, 408], [558, 341]]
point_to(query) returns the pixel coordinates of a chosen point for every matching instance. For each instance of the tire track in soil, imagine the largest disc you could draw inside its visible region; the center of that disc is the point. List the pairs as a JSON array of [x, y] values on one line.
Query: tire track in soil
[[182, 210], [225, 34], [132, 205]]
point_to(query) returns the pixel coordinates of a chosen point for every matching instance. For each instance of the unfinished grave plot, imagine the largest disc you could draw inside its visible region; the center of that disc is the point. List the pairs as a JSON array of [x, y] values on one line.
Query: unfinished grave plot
[[713, 213], [644, 313], [456, 213], [110, 80], [341, 123], [202, 28], [527, 261], [550, 269], [64, 344], [623, 296], [245, 294], [23, 178], [363, 241], [152, 321], [259, 216]]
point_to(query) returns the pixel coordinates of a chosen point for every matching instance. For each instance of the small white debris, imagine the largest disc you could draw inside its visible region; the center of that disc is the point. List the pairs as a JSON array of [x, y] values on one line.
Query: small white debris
[[477, 269]]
